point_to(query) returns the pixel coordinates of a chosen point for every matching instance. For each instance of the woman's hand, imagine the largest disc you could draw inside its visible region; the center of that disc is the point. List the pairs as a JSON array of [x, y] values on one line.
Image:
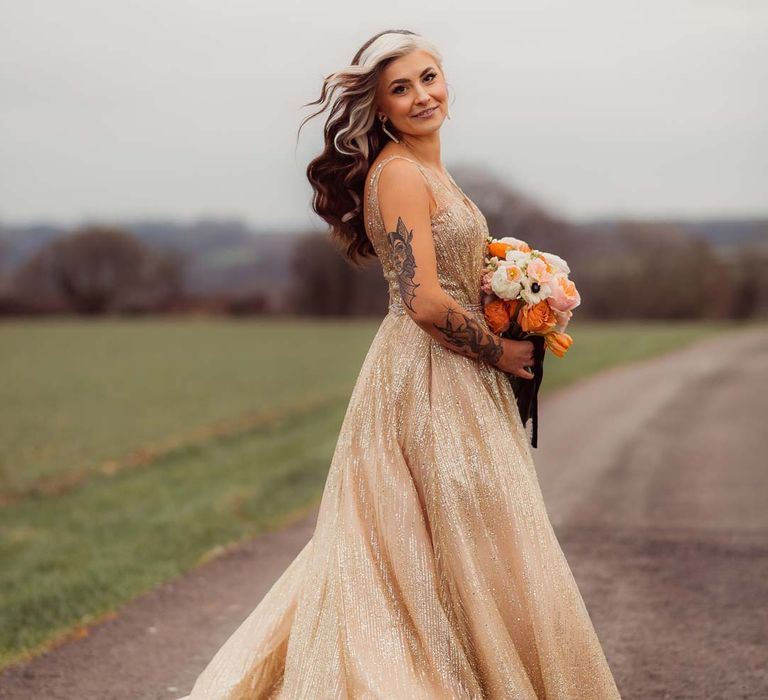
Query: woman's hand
[[517, 355]]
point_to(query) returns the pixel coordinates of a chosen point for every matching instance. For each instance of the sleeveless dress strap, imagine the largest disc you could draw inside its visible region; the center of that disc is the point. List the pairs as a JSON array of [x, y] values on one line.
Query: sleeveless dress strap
[[386, 160]]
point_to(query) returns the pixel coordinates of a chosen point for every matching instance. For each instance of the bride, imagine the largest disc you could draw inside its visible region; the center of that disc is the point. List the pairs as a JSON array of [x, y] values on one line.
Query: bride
[[433, 572]]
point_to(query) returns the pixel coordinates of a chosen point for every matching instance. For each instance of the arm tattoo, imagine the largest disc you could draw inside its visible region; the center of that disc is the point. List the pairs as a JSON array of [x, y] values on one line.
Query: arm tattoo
[[465, 333], [401, 256]]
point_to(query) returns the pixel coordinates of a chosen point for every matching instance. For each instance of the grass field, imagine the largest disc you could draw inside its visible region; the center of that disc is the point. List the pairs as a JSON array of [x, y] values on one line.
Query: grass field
[[132, 450]]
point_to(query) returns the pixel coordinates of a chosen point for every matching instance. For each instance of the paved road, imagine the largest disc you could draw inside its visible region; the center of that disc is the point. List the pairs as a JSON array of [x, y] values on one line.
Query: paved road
[[656, 480]]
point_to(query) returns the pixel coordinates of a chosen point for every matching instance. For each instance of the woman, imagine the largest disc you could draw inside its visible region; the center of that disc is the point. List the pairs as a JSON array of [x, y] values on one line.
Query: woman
[[433, 571]]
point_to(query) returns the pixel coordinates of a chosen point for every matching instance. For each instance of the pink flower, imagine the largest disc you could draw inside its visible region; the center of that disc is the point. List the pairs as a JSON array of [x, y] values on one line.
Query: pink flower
[[539, 270], [564, 296], [562, 319], [485, 282]]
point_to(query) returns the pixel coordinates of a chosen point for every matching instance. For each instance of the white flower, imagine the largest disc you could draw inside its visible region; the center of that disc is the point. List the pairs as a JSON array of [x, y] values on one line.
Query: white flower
[[557, 262], [529, 295], [505, 281], [518, 257]]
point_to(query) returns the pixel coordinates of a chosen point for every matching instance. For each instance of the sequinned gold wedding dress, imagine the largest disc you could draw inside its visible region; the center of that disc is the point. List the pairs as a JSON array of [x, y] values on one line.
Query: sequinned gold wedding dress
[[433, 572]]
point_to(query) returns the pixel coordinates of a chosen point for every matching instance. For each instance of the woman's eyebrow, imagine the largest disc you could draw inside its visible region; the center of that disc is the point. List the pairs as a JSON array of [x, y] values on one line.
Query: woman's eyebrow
[[407, 80]]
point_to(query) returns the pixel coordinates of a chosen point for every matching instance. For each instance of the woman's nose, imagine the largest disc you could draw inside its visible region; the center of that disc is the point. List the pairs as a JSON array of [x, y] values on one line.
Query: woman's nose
[[422, 95]]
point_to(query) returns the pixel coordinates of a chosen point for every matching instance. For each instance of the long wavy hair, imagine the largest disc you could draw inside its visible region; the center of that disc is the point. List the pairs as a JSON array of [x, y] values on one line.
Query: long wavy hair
[[354, 137]]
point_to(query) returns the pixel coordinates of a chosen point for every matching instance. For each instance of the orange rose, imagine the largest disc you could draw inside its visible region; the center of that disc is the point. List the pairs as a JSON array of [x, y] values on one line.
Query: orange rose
[[497, 314], [538, 318], [558, 342], [513, 305]]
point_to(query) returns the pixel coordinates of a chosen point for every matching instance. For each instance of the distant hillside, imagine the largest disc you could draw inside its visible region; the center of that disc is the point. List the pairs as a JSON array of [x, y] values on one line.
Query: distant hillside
[[18, 243], [719, 232], [221, 256]]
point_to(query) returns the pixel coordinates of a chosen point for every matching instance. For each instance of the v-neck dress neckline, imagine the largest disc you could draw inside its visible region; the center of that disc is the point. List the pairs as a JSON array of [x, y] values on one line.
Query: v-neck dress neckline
[[456, 189], [460, 192]]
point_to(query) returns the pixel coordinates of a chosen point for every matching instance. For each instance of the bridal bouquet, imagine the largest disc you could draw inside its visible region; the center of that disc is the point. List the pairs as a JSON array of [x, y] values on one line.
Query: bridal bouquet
[[527, 296]]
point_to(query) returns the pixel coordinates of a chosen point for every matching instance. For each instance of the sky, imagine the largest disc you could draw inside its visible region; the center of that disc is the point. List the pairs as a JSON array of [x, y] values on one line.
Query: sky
[[186, 109]]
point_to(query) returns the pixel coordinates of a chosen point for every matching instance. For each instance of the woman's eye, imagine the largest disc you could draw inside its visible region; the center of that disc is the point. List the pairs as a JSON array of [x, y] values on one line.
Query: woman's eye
[[429, 75]]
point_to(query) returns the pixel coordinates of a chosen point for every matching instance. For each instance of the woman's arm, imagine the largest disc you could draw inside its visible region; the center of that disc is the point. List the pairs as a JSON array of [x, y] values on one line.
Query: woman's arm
[[404, 198]]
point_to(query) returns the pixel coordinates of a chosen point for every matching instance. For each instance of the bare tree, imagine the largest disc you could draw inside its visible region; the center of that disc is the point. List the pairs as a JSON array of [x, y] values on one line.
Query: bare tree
[[325, 284], [748, 265], [101, 269]]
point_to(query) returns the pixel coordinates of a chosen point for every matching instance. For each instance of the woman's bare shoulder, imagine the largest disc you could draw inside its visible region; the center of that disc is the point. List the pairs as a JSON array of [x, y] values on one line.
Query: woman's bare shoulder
[[383, 155], [373, 166], [402, 173]]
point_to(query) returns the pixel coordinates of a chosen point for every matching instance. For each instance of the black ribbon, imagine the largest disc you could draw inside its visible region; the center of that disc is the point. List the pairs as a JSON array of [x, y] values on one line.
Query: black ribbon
[[527, 390]]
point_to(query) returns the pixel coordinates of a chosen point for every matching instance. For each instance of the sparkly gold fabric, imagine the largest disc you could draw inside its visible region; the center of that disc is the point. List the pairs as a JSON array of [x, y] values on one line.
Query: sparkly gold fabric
[[433, 572]]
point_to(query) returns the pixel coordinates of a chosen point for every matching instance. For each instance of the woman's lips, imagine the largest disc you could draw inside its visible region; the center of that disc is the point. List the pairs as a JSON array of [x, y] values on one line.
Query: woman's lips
[[426, 114]]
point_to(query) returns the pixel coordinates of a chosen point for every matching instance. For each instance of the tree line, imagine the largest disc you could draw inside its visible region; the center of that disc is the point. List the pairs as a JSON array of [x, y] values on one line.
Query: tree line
[[634, 270]]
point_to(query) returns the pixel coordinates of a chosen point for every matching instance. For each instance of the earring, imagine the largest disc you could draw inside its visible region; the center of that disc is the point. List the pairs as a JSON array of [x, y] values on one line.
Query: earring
[[383, 119]]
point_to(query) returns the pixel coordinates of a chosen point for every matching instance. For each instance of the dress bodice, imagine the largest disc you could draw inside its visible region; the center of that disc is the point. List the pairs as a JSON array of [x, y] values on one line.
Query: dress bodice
[[459, 230]]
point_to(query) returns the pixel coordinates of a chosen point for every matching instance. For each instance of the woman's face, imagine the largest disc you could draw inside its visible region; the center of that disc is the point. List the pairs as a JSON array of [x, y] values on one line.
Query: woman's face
[[409, 85]]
